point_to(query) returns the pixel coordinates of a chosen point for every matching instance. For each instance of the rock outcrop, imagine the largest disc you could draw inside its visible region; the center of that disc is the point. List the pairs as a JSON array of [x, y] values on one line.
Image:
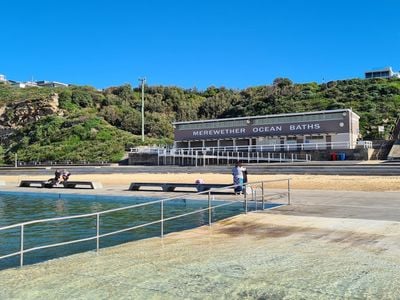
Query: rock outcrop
[[18, 114]]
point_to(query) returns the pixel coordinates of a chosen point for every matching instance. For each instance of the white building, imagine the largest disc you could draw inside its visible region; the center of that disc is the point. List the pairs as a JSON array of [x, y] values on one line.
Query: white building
[[2, 78], [331, 129], [382, 73], [51, 83], [23, 85]]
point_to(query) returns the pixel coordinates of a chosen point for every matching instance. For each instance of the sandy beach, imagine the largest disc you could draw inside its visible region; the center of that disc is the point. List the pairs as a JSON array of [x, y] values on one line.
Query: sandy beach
[[308, 182]]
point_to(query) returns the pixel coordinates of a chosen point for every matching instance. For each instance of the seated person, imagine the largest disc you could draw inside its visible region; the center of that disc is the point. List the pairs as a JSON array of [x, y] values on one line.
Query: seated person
[[199, 183], [65, 175], [56, 180]]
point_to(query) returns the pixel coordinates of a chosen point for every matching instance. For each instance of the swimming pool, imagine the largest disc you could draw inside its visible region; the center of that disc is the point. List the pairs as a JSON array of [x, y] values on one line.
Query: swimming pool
[[17, 208]]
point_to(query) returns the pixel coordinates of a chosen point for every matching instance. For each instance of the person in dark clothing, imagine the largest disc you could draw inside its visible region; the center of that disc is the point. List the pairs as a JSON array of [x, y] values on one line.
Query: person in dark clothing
[[56, 180], [244, 175], [244, 170]]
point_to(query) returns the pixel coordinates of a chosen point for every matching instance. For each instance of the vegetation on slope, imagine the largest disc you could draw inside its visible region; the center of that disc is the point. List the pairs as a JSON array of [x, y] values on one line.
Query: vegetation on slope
[[99, 125]]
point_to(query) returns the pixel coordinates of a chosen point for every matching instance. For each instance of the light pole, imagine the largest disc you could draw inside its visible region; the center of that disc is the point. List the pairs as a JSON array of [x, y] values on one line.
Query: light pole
[[142, 80]]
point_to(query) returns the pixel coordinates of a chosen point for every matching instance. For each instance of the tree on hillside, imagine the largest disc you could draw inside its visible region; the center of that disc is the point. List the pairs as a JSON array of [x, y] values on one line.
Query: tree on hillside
[[281, 82]]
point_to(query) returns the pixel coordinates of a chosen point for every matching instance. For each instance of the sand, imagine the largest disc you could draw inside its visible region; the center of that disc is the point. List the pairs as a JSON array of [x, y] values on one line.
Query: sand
[[308, 182]]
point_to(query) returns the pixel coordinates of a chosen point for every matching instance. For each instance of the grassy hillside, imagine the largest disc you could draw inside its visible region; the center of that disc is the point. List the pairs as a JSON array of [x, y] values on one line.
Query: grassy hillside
[[98, 125]]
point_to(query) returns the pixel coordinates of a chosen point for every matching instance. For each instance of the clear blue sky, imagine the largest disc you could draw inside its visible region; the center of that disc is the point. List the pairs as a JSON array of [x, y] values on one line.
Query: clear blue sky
[[197, 43]]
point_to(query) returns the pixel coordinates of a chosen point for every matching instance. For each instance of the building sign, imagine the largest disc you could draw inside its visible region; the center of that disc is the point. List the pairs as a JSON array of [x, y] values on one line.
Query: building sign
[[263, 130]]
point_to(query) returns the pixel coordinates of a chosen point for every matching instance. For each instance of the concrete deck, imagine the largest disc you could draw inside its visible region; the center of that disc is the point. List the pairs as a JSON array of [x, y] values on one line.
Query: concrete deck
[[326, 245]]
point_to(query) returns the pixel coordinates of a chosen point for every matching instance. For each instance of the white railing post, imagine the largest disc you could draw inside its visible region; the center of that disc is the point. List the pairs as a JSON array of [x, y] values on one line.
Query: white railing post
[[255, 198], [162, 218], [209, 208], [245, 201], [21, 257], [97, 232], [262, 194]]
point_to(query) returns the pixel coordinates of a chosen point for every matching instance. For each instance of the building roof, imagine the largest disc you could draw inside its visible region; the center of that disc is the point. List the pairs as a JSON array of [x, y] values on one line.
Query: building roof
[[380, 69], [270, 116]]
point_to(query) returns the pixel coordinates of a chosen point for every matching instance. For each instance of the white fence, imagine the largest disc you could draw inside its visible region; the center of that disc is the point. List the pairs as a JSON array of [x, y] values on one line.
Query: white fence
[[264, 148], [207, 157]]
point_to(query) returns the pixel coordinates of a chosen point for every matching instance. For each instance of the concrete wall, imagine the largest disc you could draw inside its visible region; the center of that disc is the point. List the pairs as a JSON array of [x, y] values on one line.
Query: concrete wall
[[148, 159], [395, 151], [350, 154]]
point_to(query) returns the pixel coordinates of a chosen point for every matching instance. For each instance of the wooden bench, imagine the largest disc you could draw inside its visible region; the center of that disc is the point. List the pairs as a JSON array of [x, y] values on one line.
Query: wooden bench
[[170, 187], [68, 184]]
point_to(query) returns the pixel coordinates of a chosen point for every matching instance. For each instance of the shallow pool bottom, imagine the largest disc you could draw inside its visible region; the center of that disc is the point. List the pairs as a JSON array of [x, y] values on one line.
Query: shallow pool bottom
[[310, 258]]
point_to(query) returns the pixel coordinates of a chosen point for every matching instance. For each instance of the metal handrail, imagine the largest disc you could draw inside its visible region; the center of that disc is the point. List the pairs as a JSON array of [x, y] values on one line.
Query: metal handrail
[[203, 157], [269, 147], [161, 221]]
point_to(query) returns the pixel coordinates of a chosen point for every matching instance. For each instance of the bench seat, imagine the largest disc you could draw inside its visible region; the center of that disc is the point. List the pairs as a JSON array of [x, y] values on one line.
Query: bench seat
[[82, 184], [67, 184], [170, 187], [32, 183]]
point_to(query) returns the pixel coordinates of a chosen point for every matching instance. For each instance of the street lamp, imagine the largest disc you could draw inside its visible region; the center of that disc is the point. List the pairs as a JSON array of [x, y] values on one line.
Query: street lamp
[[142, 80]]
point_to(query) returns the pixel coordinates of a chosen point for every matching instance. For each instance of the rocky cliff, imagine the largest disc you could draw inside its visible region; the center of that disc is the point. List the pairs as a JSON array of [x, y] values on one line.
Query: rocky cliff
[[17, 114]]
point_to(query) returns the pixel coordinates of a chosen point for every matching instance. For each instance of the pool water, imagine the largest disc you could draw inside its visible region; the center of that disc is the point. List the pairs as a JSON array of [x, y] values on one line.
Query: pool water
[[15, 208]]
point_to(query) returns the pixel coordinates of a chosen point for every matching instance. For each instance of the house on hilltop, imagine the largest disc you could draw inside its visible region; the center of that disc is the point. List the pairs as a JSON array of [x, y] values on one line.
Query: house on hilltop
[[51, 83], [386, 72], [40, 83]]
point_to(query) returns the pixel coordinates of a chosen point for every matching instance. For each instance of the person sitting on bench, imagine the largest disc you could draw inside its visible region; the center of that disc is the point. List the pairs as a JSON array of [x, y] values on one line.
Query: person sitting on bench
[[65, 175], [56, 180], [199, 183]]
